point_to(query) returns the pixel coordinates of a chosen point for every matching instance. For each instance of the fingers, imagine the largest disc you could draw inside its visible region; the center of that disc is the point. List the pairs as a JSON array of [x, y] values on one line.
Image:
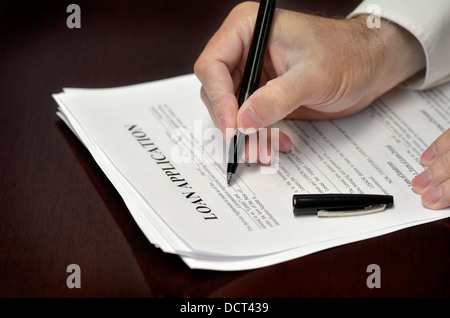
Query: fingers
[[218, 93], [221, 104], [436, 197], [218, 67], [272, 102], [263, 147], [433, 184], [437, 148]]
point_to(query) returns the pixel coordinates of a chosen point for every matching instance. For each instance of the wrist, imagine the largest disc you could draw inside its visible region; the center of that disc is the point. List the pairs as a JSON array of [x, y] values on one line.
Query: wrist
[[395, 52]]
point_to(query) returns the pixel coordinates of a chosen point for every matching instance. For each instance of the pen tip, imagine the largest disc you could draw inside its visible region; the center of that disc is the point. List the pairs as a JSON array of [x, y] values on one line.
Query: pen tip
[[229, 177]]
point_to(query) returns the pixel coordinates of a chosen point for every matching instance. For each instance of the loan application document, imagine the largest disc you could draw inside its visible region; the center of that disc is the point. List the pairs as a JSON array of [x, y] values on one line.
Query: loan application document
[[158, 146]]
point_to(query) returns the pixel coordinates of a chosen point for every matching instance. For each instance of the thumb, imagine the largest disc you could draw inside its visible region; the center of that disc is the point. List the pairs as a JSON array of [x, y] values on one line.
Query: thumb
[[272, 102]]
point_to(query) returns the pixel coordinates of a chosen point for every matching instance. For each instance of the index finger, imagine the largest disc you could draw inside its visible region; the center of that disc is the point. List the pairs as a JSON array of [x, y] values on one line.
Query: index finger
[[218, 67], [439, 147]]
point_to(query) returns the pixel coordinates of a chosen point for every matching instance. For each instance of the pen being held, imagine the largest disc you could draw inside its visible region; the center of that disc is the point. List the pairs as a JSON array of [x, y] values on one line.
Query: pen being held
[[252, 75]]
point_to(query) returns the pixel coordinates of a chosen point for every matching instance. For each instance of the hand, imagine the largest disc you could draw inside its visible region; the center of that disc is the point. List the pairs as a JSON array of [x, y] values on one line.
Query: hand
[[314, 68], [433, 184]]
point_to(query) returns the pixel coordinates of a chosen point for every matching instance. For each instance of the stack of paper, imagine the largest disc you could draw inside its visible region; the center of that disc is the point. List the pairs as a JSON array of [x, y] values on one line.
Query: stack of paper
[[158, 146]]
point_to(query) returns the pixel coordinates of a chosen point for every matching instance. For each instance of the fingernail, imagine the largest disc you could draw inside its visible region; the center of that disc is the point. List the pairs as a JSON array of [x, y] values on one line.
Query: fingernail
[[433, 196], [429, 154], [285, 143], [250, 120], [422, 180]]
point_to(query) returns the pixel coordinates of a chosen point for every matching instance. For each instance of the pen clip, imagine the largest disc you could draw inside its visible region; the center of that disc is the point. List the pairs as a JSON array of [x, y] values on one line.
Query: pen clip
[[367, 210]]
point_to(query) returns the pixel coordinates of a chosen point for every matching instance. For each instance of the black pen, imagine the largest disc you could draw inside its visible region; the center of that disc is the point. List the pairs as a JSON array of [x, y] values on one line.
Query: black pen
[[251, 77], [340, 204]]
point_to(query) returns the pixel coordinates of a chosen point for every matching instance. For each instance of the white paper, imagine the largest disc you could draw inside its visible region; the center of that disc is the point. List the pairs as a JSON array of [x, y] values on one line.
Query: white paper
[[179, 197]]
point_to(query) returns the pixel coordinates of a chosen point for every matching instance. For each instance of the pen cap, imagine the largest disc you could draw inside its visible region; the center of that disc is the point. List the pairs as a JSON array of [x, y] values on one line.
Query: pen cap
[[311, 203]]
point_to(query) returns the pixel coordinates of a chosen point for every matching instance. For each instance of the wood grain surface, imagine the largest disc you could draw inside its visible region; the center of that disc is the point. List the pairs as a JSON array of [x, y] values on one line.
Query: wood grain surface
[[58, 208]]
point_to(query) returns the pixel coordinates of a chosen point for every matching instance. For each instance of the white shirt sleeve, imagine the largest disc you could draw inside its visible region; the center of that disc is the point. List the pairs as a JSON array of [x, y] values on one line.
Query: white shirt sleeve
[[429, 22]]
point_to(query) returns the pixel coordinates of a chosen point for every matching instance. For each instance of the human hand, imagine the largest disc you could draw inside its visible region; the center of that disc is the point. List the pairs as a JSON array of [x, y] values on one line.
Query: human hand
[[433, 184], [314, 68]]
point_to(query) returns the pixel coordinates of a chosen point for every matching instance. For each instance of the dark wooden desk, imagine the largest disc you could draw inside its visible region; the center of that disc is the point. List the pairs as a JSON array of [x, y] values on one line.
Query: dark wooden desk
[[58, 208]]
